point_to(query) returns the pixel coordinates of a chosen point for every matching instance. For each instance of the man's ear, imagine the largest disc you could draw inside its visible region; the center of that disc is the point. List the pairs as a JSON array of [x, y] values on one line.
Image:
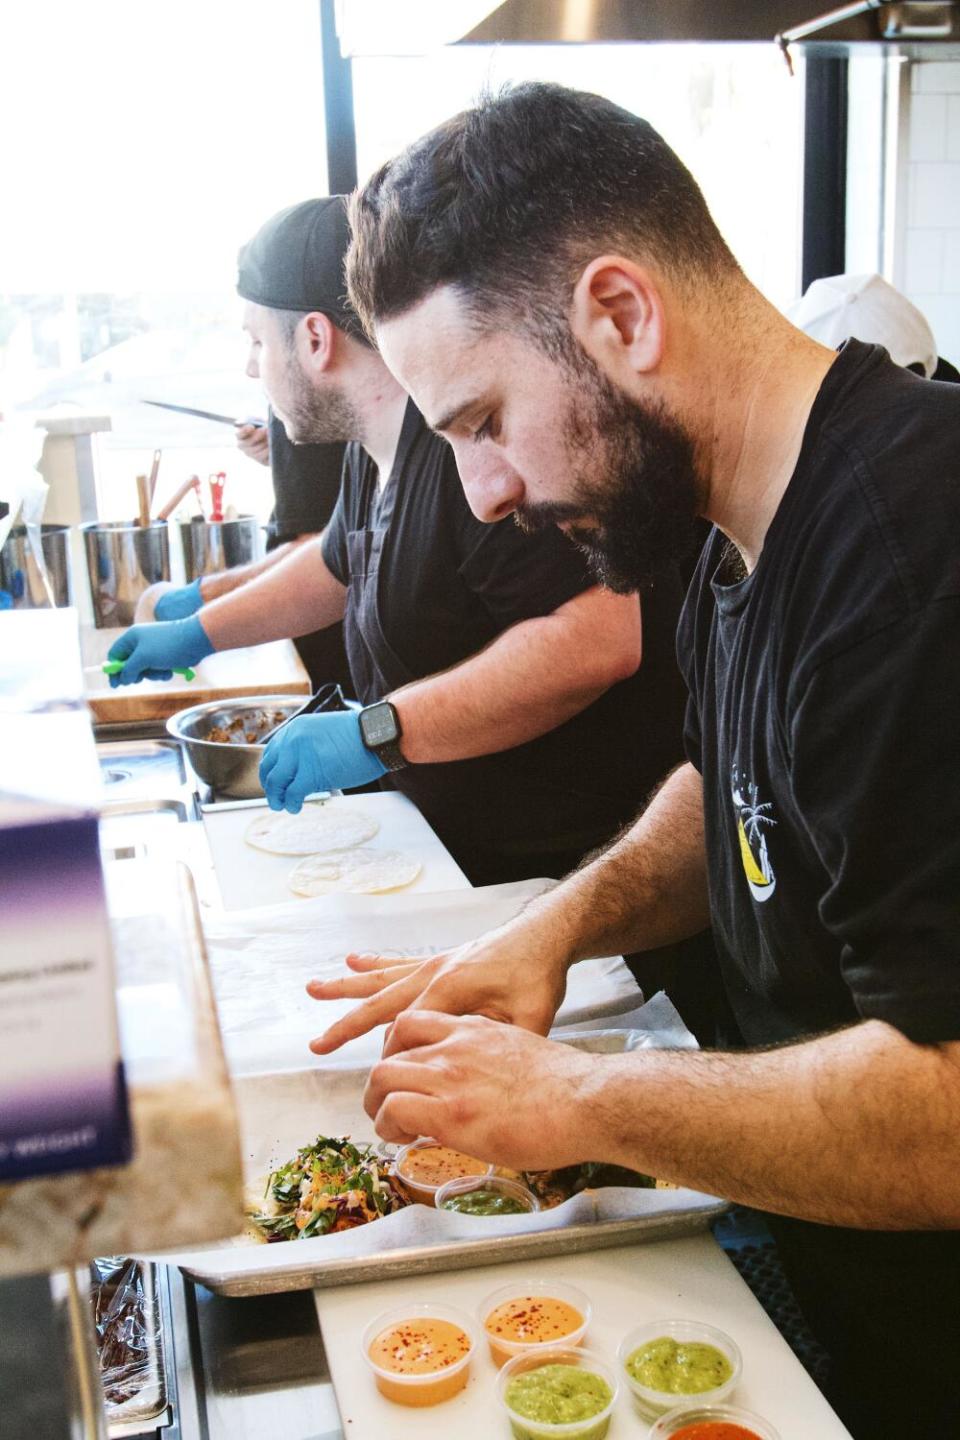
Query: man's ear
[[618, 315], [316, 341]]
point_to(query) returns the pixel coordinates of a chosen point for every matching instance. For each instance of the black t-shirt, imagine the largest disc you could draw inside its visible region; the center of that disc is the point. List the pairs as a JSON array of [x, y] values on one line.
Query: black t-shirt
[[825, 720], [306, 483], [429, 585]]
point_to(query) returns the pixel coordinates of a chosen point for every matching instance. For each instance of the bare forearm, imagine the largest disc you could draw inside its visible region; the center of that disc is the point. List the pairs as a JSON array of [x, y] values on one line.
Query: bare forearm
[[532, 678], [292, 598], [474, 708], [213, 587], [648, 889], [855, 1128]]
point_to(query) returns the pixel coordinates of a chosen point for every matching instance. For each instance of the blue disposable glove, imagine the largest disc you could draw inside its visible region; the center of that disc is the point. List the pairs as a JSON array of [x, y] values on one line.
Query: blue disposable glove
[[315, 753], [153, 652], [178, 604]]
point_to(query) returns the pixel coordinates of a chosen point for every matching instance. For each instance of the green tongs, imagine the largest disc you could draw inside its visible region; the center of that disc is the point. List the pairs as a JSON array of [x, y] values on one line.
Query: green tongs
[[113, 667]]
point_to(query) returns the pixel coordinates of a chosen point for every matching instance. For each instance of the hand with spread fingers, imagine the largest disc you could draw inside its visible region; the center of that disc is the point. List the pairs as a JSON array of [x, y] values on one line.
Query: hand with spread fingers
[[490, 1089], [513, 974]]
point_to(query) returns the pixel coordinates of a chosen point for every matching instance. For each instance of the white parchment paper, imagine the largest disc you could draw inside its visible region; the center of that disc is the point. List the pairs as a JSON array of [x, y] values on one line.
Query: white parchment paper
[[262, 959]]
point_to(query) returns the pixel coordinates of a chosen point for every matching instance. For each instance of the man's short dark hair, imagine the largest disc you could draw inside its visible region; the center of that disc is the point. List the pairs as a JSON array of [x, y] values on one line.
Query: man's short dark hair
[[287, 322], [508, 202]]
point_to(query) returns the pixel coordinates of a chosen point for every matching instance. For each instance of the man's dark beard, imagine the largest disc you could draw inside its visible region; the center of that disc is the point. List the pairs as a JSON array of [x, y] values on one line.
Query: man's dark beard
[[635, 480], [317, 417]]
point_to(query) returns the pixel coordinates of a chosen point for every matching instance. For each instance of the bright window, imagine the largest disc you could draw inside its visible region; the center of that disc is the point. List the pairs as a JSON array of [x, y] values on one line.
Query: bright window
[[731, 112], [140, 146]]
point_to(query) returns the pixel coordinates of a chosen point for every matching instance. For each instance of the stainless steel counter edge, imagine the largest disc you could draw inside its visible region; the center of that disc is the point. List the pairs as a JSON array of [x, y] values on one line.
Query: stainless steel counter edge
[[463, 1254]]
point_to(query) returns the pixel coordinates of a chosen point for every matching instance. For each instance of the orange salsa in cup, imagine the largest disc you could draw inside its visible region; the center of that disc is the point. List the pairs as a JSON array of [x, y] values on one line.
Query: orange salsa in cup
[[530, 1320], [428, 1356], [424, 1166]]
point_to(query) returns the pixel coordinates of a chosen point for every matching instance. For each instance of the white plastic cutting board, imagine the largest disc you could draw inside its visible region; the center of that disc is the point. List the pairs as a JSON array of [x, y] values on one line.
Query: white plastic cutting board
[[249, 877], [688, 1279]]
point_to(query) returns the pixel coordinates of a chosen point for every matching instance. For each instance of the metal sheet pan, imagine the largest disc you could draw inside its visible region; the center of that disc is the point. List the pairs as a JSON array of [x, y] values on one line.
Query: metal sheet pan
[[281, 1112], [148, 1406]]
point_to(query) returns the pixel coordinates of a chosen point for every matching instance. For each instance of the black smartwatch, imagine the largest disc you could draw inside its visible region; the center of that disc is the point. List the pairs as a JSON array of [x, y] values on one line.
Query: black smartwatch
[[380, 731]]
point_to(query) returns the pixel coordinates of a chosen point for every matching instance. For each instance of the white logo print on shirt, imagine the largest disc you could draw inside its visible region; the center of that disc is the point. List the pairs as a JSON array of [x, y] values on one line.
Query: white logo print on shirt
[[753, 843]]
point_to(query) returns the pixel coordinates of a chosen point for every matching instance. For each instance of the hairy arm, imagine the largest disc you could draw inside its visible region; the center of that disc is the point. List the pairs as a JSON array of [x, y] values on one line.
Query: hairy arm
[[648, 889], [860, 1127], [532, 678], [290, 598], [212, 587]]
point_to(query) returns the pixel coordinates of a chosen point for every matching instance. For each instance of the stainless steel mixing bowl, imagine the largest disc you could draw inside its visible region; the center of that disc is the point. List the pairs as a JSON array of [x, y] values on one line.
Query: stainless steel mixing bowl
[[230, 769]]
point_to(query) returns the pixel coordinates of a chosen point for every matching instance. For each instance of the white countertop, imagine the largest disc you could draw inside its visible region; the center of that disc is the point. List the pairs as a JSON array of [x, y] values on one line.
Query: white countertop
[[669, 1279], [249, 877]]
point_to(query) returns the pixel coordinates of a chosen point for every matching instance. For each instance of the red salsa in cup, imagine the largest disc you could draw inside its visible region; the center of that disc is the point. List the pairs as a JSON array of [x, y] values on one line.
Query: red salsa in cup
[[714, 1430]]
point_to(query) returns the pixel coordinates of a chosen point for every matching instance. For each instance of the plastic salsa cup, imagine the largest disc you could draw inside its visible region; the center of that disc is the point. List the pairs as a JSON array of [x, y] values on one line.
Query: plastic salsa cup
[[424, 1167], [486, 1195], [534, 1381], [526, 1306], [651, 1401], [411, 1338], [712, 1422]]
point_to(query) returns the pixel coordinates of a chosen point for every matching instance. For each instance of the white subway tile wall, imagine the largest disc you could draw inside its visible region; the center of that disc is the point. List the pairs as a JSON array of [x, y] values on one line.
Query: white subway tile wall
[[929, 269], [924, 260]]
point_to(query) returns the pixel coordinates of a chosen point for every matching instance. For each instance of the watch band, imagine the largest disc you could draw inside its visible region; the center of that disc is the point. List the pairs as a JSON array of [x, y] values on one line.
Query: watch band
[[388, 753]]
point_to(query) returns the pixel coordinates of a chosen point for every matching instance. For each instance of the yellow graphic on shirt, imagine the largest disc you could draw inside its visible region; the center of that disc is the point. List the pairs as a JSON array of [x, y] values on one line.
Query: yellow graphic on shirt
[[751, 818]]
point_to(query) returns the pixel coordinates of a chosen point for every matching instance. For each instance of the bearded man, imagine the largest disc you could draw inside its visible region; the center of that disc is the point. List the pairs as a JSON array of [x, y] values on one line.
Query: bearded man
[[499, 682], [544, 277]]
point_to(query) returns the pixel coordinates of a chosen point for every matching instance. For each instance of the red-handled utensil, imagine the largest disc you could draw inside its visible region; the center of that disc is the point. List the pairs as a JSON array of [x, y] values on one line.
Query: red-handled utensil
[[216, 483]]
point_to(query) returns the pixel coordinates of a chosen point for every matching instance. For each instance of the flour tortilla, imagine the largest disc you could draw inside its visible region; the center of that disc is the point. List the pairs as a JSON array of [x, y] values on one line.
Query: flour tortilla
[[359, 872], [318, 829]]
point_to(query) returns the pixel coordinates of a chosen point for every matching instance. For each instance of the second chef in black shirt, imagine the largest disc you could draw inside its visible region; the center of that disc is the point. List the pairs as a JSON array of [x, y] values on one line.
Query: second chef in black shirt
[[428, 584], [502, 687]]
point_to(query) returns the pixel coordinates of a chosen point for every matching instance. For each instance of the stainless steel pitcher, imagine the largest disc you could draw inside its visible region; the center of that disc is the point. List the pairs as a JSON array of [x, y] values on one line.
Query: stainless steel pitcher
[[210, 546], [20, 574], [122, 560]]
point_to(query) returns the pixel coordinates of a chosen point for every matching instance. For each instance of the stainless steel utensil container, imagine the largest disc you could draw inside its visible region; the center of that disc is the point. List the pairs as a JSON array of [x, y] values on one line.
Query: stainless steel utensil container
[[122, 560], [210, 546], [231, 770], [20, 574]]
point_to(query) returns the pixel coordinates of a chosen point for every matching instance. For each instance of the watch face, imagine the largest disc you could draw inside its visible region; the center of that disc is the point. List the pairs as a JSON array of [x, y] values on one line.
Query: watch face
[[378, 724]]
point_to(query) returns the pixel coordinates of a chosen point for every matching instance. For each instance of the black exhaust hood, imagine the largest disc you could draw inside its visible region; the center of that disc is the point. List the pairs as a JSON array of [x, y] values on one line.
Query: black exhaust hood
[[915, 28]]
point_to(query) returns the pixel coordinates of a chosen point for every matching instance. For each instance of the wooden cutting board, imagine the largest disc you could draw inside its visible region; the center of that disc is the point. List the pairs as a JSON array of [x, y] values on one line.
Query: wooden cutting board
[[272, 669]]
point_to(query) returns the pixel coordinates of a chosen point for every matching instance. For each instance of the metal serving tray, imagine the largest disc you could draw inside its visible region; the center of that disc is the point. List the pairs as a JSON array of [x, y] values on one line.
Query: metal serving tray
[[149, 1407], [281, 1112]]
